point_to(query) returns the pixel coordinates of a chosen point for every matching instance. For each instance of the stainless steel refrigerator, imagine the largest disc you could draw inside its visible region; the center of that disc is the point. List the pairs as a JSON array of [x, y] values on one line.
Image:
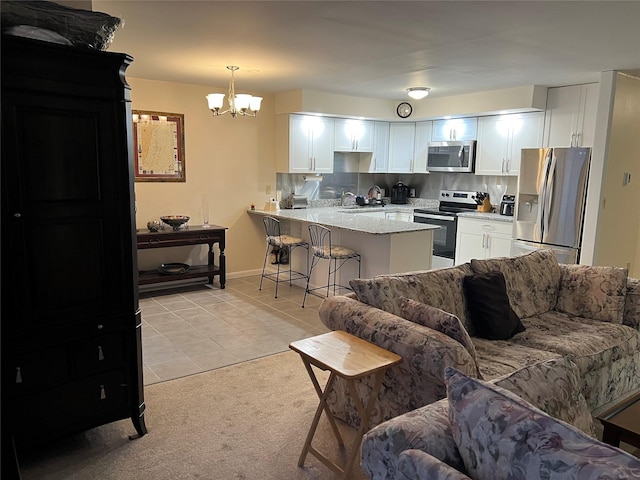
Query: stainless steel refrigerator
[[550, 200]]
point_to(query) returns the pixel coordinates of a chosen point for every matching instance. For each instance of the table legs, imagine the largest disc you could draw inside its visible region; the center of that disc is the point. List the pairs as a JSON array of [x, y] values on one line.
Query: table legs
[[364, 411]]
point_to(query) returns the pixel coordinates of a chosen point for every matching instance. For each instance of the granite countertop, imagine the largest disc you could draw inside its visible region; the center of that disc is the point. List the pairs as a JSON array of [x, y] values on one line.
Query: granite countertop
[[487, 216], [352, 219]]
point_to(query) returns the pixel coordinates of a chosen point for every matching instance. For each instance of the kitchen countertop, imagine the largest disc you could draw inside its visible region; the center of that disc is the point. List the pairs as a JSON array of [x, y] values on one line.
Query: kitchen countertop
[[351, 218], [487, 216]]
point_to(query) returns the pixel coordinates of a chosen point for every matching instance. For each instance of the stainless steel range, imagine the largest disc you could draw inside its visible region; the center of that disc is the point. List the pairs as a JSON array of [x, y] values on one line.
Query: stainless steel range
[[452, 202]]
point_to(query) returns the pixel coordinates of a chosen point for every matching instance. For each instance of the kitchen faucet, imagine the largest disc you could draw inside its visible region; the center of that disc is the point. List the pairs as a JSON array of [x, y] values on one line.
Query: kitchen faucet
[[343, 195]]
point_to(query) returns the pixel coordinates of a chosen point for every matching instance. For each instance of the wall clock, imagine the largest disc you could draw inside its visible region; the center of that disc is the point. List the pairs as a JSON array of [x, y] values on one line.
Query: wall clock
[[404, 110]]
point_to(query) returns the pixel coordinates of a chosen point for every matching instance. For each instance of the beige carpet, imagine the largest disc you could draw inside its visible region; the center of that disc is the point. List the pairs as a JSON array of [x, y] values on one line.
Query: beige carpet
[[243, 422]]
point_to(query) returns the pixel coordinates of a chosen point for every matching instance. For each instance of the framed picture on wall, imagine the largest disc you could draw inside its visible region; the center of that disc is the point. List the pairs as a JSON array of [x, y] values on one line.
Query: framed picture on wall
[[158, 146]]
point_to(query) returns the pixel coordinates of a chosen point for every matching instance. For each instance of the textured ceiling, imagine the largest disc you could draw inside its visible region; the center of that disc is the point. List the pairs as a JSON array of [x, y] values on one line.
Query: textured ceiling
[[377, 48]]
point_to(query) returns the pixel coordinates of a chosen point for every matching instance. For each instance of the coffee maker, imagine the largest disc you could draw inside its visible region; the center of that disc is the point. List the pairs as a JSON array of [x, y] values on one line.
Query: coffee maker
[[508, 205], [399, 193]]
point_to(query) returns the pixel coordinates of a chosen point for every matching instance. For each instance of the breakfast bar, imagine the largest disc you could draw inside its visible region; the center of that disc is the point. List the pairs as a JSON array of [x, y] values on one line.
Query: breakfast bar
[[386, 246]]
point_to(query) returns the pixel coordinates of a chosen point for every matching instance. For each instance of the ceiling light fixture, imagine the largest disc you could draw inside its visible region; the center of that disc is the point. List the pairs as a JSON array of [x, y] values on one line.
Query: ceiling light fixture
[[240, 104], [418, 92]]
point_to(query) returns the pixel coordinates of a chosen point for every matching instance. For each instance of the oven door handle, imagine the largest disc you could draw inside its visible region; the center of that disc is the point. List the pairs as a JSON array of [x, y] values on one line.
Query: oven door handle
[[434, 217]]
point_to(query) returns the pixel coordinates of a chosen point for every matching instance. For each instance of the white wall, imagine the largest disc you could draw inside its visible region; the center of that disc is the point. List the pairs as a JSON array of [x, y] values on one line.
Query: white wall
[[229, 161], [611, 218]]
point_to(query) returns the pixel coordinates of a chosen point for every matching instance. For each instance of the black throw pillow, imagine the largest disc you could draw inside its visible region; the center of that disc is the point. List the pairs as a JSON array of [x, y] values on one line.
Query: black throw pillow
[[489, 306]]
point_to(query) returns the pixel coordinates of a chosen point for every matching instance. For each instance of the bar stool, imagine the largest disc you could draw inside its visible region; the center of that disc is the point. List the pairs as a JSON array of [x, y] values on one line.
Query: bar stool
[[322, 248], [276, 239]]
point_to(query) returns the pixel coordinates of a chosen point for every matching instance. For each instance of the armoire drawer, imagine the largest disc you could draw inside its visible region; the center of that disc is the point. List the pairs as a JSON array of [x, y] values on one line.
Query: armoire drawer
[[71, 407], [100, 353]]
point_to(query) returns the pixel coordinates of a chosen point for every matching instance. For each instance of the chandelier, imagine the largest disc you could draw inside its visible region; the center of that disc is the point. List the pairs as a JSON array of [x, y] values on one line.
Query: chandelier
[[240, 104]]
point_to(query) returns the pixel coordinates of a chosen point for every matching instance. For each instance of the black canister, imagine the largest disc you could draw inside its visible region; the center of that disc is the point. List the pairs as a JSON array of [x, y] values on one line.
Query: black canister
[[399, 193]]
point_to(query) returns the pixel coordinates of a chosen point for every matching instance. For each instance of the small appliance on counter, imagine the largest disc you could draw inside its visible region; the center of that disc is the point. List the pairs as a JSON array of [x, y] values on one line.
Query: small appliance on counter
[[369, 202], [296, 201], [507, 205], [399, 193]]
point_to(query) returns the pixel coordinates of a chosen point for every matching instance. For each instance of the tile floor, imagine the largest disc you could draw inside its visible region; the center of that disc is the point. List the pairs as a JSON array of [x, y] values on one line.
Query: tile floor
[[192, 329]]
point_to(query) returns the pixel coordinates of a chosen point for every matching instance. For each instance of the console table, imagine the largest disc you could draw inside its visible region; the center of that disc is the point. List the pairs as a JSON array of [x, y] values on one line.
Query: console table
[[186, 236]]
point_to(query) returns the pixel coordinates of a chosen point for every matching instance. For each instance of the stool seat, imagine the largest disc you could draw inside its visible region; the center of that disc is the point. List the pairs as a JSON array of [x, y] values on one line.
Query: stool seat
[[323, 249], [276, 239], [284, 241], [334, 251]]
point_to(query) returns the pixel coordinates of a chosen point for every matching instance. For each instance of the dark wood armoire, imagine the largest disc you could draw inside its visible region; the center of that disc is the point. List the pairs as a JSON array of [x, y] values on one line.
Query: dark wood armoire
[[71, 325]]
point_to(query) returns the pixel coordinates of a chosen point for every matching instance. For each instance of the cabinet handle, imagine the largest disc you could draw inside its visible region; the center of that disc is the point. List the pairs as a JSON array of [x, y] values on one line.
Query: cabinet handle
[[17, 215], [578, 141], [488, 242], [483, 240], [18, 375], [103, 394], [508, 164], [100, 354], [502, 166]]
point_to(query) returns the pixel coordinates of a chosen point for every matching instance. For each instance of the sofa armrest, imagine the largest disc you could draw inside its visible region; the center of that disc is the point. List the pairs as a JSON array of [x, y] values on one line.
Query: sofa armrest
[[426, 429], [632, 304], [418, 380], [419, 465], [425, 352]]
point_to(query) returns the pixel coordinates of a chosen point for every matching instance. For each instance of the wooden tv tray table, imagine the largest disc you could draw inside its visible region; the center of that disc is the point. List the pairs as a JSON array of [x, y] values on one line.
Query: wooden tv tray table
[[351, 358], [622, 422]]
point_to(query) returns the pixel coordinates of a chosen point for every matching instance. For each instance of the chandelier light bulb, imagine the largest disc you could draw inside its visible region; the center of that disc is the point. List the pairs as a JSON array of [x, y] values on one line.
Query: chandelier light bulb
[[418, 93]]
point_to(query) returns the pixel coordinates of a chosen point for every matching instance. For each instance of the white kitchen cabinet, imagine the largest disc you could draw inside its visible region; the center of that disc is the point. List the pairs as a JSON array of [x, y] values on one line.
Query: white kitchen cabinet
[[458, 129], [401, 144], [304, 144], [571, 116], [482, 238], [421, 148], [353, 135], [500, 139], [378, 161]]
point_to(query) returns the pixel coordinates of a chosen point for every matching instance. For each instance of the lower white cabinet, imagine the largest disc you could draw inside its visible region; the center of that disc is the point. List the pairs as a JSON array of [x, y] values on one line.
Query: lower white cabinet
[[482, 238]]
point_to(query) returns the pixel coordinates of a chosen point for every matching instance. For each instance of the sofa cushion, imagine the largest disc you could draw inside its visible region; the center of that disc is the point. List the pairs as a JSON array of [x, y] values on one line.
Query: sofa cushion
[[439, 320], [555, 387], [591, 344], [489, 306], [441, 288], [498, 432], [593, 292], [500, 357], [532, 280]]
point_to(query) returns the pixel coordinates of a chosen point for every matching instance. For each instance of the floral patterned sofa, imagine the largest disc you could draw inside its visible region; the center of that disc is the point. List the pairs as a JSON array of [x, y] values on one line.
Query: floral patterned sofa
[[590, 315], [498, 429]]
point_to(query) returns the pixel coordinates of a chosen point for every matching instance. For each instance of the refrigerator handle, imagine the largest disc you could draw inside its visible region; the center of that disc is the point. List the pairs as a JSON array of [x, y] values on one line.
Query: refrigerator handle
[[542, 194], [549, 190]]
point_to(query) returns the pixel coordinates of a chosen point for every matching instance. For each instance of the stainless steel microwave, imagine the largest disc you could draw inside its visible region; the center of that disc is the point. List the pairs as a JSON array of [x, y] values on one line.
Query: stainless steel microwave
[[451, 156]]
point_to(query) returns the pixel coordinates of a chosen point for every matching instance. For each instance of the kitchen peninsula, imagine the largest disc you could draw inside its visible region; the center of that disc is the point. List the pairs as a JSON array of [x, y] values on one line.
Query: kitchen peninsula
[[386, 246]]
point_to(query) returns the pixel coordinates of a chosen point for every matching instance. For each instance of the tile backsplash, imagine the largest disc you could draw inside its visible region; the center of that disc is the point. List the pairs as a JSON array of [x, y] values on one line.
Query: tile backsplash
[[427, 186]]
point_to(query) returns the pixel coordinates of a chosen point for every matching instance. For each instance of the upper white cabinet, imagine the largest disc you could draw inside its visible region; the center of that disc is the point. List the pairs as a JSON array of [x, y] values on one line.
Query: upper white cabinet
[[401, 145], [305, 144], [353, 135], [378, 161], [500, 139], [571, 116], [458, 129], [421, 148]]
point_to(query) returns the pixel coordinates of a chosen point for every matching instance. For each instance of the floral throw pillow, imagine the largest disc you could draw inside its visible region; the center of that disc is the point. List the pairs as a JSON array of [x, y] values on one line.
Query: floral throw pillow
[[593, 292], [500, 436], [439, 320]]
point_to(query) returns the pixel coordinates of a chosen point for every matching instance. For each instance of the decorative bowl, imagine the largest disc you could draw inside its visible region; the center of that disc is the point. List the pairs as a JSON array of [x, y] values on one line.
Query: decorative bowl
[[175, 221]]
